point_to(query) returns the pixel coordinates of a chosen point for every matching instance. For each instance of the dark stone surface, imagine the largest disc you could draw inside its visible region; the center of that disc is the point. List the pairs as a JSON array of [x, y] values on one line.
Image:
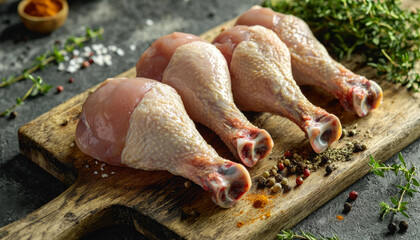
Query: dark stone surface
[[24, 186]]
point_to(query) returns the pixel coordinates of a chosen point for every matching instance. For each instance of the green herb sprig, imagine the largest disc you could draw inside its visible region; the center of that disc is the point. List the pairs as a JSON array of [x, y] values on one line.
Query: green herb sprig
[[289, 235], [38, 87], [55, 55], [386, 34], [399, 205]]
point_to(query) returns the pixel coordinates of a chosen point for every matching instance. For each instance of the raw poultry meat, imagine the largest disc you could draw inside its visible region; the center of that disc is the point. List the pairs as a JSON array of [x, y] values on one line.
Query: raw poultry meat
[[311, 63], [142, 123], [199, 73], [262, 81]]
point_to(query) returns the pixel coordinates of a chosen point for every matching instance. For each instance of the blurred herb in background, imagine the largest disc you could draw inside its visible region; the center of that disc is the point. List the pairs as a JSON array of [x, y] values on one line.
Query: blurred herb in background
[[379, 29]]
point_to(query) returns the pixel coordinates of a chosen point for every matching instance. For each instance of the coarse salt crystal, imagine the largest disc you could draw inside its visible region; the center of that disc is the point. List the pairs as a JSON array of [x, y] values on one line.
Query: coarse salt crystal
[[61, 67], [96, 162], [112, 173], [120, 52], [132, 47], [104, 51], [71, 69], [72, 144], [112, 48], [87, 166], [149, 22], [95, 172], [76, 52], [66, 58], [104, 175]]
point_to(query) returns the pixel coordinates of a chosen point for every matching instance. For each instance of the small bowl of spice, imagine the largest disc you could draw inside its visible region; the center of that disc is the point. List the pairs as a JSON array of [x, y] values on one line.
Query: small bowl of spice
[[43, 16]]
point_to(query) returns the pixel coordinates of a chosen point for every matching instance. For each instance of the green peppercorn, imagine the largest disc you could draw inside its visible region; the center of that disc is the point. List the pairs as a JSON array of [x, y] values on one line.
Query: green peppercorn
[[284, 181], [275, 167], [276, 188], [343, 133], [266, 174], [271, 182], [286, 162], [273, 172]]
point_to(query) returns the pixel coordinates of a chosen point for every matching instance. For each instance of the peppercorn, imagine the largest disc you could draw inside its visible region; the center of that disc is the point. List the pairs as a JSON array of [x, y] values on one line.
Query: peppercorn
[[364, 147], [392, 227], [266, 174], [276, 188], [60, 89], [275, 167], [357, 147], [271, 182], [291, 169], [13, 115], [353, 195], [286, 162], [324, 159], [278, 177], [352, 133], [306, 172], [343, 133], [329, 170], [284, 181], [403, 226], [347, 207], [85, 64], [273, 172], [299, 181], [187, 184], [71, 80], [262, 182], [90, 60], [287, 154], [286, 188], [281, 166]]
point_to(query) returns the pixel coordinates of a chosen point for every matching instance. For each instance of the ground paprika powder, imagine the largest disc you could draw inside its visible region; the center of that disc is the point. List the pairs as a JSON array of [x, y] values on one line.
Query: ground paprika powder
[[43, 8]]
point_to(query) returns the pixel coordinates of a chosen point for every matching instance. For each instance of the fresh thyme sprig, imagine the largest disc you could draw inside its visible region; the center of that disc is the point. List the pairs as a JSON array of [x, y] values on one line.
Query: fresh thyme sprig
[[38, 87], [54, 55], [387, 35], [289, 235], [399, 205]]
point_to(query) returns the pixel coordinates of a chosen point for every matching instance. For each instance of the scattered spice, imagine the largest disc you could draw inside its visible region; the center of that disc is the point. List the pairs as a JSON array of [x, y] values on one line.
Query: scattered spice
[[392, 227], [276, 188], [85, 64], [328, 169], [403, 226], [347, 207], [259, 201], [187, 184], [353, 195], [339, 217], [43, 8], [266, 174], [71, 80], [288, 154], [299, 181], [281, 166], [188, 214], [271, 182], [262, 182], [239, 224], [306, 172], [13, 115], [60, 88]]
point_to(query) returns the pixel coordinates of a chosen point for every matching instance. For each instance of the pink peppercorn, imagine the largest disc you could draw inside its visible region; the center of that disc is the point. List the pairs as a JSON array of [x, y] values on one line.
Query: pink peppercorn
[[287, 154], [306, 172], [353, 195], [299, 181], [60, 88], [281, 166], [71, 80]]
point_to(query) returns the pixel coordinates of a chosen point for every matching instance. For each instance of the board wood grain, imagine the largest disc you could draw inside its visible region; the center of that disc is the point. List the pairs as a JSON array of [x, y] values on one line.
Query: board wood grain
[[154, 202]]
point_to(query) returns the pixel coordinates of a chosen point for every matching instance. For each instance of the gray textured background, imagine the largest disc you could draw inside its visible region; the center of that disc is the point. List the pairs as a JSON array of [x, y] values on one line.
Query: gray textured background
[[24, 186]]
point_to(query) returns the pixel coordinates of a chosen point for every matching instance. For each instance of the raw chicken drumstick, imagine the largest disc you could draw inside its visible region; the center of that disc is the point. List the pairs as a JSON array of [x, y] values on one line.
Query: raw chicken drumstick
[[142, 123], [311, 63], [199, 73], [262, 81]]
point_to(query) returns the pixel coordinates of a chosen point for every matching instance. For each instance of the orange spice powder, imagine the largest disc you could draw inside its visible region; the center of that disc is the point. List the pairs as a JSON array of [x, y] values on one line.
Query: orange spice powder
[[261, 203], [339, 217], [43, 8]]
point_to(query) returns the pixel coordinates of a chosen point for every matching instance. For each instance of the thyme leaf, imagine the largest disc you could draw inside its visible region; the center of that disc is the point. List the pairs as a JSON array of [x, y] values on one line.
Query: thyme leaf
[[398, 204], [289, 235], [387, 35]]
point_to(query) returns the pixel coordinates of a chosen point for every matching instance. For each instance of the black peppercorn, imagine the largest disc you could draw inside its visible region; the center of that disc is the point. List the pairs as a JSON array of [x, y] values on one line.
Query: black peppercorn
[[278, 177], [324, 159], [403, 226], [347, 207], [357, 147], [328, 169], [262, 182], [392, 227], [286, 188]]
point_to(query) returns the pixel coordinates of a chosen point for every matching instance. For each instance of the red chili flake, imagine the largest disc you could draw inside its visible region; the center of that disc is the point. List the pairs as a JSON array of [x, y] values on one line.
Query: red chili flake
[[306, 172], [281, 166], [287, 154], [60, 88], [299, 181], [71, 80], [90, 60], [353, 195], [85, 64]]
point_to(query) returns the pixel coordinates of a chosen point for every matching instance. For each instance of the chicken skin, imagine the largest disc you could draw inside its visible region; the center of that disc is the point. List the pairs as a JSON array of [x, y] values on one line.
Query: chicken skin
[[199, 73], [262, 81], [142, 123], [311, 63]]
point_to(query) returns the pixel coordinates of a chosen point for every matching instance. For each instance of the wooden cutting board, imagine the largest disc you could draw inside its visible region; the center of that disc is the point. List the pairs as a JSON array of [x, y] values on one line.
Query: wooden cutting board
[[155, 203]]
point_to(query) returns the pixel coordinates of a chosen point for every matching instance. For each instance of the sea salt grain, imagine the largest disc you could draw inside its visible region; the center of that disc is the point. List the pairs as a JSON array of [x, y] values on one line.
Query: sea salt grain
[[120, 52], [76, 52], [95, 172], [104, 175], [112, 48], [87, 166], [149, 22], [132, 47], [112, 173]]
